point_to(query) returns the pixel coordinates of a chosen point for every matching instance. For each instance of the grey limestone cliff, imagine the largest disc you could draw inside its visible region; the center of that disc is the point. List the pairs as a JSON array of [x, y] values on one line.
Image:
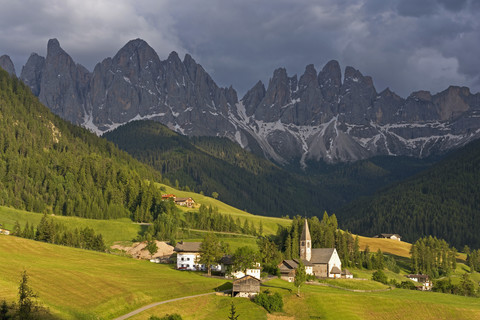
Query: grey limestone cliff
[[318, 116]]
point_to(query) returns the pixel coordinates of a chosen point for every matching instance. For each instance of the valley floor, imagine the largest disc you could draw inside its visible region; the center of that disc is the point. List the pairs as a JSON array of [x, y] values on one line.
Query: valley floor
[[80, 284]]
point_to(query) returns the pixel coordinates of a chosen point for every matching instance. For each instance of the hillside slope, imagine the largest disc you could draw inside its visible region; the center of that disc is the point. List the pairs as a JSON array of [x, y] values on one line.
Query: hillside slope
[[246, 181], [443, 201], [50, 165]]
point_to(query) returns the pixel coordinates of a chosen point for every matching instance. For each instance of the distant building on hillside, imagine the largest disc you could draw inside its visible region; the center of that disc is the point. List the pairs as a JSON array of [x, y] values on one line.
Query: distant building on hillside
[[393, 236], [426, 284], [4, 231], [185, 202], [168, 196], [247, 286], [321, 262]]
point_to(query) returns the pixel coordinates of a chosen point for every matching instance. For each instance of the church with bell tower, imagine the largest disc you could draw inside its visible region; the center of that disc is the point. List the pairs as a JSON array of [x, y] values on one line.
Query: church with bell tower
[[306, 243], [321, 262]]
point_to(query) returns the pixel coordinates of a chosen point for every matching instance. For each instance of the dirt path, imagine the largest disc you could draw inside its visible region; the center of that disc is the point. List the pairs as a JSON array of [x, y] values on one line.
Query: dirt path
[[130, 314]]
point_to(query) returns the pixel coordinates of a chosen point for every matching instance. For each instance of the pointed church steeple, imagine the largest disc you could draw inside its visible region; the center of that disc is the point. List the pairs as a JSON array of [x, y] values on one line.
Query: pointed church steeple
[[305, 243]]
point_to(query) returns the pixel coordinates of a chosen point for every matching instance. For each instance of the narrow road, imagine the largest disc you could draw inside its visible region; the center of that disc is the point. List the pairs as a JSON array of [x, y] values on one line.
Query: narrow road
[[130, 314]]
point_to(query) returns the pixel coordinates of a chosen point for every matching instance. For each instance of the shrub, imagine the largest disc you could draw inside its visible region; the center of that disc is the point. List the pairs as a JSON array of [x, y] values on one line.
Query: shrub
[[380, 276], [271, 302], [407, 285]]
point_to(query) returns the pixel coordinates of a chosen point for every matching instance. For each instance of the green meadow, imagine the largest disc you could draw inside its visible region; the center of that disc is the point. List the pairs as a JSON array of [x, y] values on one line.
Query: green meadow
[[319, 302], [82, 284]]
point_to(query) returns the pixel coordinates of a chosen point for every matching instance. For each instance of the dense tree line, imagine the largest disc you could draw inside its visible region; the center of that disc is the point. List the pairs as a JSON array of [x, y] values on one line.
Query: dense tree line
[[52, 232], [208, 218], [166, 225], [49, 165], [433, 256], [466, 287], [324, 234], [473, 260], [443, 201]]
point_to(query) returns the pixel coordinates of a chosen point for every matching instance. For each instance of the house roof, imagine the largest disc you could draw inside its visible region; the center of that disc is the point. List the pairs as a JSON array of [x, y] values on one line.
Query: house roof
[[245, 278], [346, 272], [183, 199], [387, 235], [336, 270], [293, 264], [321, 255], [305, 232], [188, 247], [289, 264]]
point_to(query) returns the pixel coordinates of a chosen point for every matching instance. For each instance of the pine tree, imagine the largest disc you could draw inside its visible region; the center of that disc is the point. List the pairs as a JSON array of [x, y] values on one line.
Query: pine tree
[[233, 313], [288, 248], [26, 296], [300, 276]]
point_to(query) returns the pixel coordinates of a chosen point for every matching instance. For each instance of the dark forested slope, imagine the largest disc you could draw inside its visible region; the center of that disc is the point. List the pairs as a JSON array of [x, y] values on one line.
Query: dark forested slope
[[241, 179], [50, 165], [443, 201]]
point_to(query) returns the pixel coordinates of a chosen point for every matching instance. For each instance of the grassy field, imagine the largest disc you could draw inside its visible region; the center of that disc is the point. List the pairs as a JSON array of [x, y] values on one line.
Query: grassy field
[[207, 308], [318, 302], [81, 284], [398, 248], [111, 230]]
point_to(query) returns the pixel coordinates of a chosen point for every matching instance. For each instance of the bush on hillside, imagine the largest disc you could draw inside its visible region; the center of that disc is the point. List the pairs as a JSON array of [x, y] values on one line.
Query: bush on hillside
[[271, 302], [380, 276]]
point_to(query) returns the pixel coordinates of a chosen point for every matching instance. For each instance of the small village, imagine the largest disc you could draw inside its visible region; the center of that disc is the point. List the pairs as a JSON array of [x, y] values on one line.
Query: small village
[[317, 263]]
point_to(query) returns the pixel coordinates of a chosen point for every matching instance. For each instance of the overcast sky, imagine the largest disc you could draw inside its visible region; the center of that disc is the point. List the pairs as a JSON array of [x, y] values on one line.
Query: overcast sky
[[406, 45]]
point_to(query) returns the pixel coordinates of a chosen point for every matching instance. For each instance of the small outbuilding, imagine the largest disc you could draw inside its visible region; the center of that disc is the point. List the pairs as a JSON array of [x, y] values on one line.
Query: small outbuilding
[[347, 274], [246, 287]]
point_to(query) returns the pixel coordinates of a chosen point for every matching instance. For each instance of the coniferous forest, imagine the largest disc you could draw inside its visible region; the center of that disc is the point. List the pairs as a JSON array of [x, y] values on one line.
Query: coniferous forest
[[49, 165], [443, 201], [247, 181]]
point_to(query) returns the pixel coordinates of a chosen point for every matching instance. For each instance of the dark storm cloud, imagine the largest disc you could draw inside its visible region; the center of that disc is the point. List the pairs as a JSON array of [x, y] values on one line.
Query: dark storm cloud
[[406, 45]]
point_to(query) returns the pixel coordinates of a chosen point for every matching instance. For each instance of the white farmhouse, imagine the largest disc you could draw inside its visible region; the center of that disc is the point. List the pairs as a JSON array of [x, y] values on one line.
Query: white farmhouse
[[227, 264], [188, 256]]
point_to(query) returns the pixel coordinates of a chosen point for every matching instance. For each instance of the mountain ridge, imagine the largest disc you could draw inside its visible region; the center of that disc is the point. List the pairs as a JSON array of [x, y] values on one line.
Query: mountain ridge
[[292, 121]]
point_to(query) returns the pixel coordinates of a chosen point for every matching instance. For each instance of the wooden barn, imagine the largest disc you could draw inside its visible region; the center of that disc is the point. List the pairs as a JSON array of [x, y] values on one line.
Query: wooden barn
[[246, 287]]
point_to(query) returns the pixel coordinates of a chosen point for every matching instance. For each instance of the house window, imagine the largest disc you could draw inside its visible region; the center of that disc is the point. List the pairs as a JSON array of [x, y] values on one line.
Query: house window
[[308, 244], [182, 258], [188, 259]]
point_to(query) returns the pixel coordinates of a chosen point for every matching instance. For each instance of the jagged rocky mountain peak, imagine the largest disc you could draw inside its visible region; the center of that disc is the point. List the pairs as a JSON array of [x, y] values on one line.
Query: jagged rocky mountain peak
[[32, 72], [309, 77], [316, 117], [53, 48], [331, 74], [7, 64]]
